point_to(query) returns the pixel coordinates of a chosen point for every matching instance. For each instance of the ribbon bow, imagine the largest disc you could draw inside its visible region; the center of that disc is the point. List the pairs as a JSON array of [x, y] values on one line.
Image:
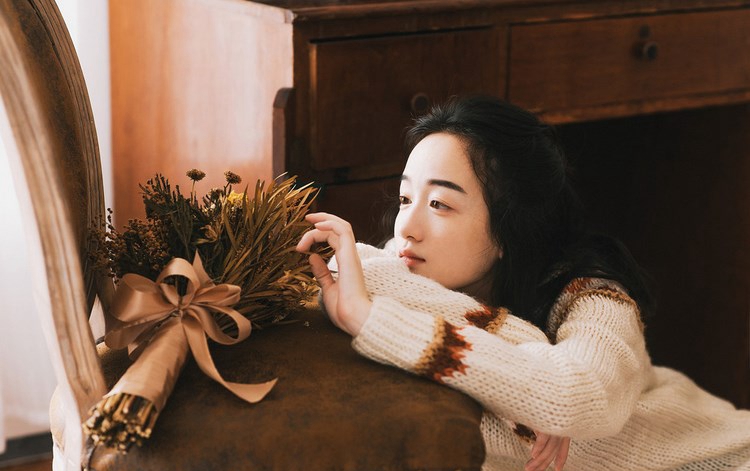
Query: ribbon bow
[[148, 312]]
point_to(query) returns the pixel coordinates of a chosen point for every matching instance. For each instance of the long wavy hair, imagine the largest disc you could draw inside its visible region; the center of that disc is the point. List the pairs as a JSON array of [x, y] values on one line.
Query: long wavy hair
[[535, 214]]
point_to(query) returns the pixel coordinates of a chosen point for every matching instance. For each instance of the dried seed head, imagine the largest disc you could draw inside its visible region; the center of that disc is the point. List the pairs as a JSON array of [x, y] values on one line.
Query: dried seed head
[[196, 175], [232, 178]]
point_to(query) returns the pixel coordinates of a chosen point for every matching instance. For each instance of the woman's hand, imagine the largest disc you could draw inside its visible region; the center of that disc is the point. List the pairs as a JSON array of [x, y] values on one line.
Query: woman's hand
[[345, 299], [547, 449]]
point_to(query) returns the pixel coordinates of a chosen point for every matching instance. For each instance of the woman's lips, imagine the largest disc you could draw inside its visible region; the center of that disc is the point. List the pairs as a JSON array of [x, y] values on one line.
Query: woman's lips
[[410, 259]]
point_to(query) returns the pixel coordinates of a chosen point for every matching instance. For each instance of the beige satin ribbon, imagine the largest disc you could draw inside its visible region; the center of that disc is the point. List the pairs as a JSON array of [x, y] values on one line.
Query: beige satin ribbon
[[154, 321]]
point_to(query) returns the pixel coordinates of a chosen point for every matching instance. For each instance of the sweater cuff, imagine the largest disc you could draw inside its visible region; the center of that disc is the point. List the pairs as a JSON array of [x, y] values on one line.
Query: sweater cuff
[[395, 335]]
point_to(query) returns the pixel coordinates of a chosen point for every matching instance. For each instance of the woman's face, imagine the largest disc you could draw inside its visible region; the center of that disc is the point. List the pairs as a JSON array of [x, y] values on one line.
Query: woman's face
[[442, 229]]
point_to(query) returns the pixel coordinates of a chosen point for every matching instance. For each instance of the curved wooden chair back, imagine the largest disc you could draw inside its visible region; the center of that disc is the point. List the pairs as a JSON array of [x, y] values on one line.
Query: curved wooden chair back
[[50, 139]]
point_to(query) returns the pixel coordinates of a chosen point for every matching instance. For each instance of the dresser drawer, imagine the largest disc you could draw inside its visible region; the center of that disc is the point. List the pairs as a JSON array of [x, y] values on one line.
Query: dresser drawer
[[568, 65], [364, 92]]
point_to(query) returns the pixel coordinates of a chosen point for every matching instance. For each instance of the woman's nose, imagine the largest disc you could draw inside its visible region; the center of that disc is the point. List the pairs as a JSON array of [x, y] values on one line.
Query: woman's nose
[[409, 224]]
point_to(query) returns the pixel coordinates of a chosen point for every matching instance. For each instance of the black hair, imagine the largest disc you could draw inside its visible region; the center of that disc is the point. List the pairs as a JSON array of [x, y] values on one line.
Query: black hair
[[535, 215]]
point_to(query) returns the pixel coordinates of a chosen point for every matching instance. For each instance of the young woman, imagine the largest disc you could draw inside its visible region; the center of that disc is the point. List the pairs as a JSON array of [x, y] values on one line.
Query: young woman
[[492, 285]]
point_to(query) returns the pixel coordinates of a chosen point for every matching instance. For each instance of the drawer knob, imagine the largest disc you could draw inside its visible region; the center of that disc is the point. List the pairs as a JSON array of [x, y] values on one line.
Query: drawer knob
[[648, 50], [420, 103]]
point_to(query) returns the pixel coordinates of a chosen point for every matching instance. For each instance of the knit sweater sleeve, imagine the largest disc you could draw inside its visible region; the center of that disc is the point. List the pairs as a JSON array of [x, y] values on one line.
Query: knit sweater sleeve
[[386, 276], [584, 386]]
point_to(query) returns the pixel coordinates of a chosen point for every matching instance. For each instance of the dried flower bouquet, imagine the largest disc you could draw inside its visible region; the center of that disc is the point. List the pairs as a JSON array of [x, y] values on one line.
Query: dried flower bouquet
[[194, 268]]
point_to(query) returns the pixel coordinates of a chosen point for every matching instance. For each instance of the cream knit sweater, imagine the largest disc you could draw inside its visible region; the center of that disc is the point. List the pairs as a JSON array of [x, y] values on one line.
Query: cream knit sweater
[[594, 383]]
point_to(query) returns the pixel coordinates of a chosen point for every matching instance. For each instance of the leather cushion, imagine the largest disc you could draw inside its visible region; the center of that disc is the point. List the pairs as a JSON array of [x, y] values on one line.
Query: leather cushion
[[330, 410]]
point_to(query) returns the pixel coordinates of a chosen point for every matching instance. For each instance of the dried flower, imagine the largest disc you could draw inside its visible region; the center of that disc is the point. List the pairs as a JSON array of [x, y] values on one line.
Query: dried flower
[[236, 199], [196, 175], [243, 239], [232, 178], [209, 234]]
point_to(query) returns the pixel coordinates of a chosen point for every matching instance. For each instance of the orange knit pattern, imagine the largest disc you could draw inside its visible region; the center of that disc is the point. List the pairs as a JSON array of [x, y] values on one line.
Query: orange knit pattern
[[443, 357], [487, 318]]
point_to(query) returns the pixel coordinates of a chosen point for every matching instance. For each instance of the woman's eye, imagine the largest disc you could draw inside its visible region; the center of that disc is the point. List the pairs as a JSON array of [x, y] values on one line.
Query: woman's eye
[[438, 205], [403, 200]]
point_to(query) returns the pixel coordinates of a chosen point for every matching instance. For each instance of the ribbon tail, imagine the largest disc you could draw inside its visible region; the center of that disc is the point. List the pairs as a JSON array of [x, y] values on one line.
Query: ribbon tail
[[210, 327], [196, 337]]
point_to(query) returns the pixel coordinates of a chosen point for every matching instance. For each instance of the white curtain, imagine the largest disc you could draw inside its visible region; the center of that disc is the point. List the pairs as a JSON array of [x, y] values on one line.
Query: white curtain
[[26, 376]]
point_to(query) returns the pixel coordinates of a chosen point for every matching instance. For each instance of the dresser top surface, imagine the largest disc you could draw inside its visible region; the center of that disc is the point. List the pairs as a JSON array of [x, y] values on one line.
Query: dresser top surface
[[314, 8]]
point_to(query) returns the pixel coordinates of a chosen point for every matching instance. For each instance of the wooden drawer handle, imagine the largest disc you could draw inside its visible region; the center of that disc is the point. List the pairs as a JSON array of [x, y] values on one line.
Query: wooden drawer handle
[[420, 103], [648, 50]]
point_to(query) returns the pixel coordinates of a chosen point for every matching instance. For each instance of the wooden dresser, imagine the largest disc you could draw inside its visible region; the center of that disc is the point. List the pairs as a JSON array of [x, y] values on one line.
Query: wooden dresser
[[650, 98]]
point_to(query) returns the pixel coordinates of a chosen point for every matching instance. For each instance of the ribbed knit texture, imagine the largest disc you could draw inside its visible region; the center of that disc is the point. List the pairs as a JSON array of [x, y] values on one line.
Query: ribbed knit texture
[[594, 383]]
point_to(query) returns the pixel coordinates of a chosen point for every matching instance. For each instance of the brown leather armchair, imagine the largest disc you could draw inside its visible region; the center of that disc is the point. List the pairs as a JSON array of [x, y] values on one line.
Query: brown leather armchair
[[331, 409]]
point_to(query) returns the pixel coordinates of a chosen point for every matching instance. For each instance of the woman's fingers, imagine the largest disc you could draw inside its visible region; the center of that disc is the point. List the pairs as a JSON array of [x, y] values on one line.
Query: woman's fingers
[[562, 454], [544, 458], [330, 229], [338, 234], [320, 271], [546, 449], [328, 286], [337, 227], [321, 216], [541, 441], [314, 236]]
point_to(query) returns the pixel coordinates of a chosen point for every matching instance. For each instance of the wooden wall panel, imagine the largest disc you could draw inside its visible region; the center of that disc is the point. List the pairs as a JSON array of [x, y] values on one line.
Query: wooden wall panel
[[193, 84]]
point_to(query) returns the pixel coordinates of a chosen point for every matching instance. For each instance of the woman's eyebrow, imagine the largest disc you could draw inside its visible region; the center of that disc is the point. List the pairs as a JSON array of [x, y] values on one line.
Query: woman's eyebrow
[[437, 182], [447, 184]]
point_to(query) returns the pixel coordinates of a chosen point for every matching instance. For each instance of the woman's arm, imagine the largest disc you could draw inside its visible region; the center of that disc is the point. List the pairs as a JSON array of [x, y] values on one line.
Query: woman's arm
[[587, 382], [585, 386], [386, 275]]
